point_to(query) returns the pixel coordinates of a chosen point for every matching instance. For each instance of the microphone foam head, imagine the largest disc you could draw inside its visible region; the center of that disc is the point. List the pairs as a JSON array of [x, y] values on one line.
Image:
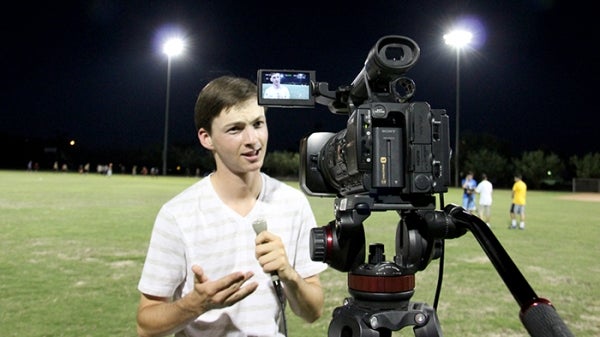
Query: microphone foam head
[[259, 225]]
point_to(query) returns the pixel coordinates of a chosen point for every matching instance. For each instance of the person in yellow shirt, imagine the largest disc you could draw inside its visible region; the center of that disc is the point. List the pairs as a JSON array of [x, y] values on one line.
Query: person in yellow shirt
[[517, 208]]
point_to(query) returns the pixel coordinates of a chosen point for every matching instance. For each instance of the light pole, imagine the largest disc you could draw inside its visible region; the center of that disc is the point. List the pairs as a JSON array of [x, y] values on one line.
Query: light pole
[[457, 39], [172, 47]]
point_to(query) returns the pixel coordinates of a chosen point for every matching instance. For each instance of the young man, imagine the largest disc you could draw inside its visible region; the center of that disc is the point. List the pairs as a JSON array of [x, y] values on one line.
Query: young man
[[207, 273], [519, 196], [485, 190]]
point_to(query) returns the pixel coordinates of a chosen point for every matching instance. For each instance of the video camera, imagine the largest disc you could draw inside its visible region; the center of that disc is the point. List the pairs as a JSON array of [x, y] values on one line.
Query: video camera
[[393, 150], [393, 155]]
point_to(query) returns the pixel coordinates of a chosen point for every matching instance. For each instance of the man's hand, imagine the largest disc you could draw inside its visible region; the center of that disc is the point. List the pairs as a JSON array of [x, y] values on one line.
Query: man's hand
[[271, 255], [220, 293], [158, 316], [304, 295]]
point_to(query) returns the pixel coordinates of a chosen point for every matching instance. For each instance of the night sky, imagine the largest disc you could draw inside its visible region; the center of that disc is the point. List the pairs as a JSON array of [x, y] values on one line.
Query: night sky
[[93, 71]]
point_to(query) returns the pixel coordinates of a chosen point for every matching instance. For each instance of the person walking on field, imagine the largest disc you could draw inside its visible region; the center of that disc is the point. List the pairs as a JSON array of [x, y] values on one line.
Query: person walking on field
[[517, 208], [484, 189]]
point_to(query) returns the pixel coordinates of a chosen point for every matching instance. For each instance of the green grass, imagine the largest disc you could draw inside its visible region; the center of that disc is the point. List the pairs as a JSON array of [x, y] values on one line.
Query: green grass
[[73, 247]]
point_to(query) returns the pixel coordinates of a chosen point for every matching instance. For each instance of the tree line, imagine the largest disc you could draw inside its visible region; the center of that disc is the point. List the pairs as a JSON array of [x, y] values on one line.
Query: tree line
[[479, 154], [540, 169]]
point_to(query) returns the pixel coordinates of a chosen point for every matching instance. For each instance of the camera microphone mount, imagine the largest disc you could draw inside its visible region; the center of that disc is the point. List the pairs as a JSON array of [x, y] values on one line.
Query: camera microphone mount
[[381, 290]]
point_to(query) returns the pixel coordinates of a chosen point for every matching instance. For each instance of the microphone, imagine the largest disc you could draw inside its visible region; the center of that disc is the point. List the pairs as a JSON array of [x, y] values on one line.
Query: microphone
[[260, 225]]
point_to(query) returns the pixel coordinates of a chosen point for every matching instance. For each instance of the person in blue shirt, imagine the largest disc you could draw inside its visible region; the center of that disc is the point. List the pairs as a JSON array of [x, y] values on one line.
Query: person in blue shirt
[[468, 200]]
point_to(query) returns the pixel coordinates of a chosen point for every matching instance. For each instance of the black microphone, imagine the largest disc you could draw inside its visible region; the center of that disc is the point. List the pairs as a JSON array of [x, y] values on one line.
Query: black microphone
[[260, 225]]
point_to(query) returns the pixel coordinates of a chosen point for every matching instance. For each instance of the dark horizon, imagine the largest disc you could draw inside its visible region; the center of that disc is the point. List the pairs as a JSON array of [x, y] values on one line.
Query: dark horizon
[[94, 73]]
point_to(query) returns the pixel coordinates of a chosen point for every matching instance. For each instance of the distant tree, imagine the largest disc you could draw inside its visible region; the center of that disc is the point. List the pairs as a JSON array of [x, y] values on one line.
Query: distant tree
[[588, 166], [486, 153], [282, 164], [206, 162], [538, 168], [490, 162], [185, 157], [150, 156], [192, 157]]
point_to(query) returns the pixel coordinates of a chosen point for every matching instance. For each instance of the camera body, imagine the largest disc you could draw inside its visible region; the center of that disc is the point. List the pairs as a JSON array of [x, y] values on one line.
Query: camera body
[[395, 151]]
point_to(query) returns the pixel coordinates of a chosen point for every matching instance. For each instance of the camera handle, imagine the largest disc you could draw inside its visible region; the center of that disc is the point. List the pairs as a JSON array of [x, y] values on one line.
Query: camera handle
[[537, 314], [382, 290]]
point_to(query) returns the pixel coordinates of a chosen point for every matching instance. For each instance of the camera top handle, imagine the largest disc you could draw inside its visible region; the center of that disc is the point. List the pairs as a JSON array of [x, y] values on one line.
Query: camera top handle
[[537, 314]]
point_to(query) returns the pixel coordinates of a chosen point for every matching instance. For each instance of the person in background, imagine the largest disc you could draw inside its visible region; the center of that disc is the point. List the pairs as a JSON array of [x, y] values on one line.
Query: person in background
[[468, 200], [484, 189], [519, 198], [207, 271]]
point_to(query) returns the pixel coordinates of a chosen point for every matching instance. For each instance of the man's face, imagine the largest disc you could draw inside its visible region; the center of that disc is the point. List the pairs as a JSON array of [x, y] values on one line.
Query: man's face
[[275, 78], [239, 138]]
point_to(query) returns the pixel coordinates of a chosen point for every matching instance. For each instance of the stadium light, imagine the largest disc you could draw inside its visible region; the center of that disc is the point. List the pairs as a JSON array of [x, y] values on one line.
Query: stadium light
[[172, 47], [458, 39]]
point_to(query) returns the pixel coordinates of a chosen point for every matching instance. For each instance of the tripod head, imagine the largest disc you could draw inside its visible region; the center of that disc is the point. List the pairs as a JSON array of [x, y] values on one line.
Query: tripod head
[[382, 289]]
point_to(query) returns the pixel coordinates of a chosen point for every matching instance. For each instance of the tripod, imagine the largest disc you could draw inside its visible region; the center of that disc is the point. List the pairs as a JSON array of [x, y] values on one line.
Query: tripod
[[381, 290]]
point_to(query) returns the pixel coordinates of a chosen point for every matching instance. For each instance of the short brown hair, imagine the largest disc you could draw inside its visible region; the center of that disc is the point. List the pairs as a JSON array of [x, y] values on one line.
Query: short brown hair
[[221, 93]]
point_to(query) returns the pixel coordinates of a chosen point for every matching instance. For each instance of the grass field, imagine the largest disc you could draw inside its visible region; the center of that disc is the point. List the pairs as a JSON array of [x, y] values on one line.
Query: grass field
[[73, 247]]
